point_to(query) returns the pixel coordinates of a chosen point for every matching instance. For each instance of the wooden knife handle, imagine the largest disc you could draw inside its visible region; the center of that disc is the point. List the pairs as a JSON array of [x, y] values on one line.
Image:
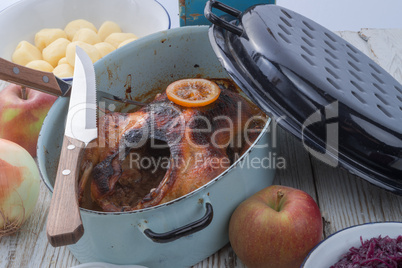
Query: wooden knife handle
[[42, 81], [64, 224]]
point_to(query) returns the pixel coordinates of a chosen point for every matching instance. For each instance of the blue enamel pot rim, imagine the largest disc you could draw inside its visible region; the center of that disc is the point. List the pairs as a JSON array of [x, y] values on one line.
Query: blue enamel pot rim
[[140, 43]]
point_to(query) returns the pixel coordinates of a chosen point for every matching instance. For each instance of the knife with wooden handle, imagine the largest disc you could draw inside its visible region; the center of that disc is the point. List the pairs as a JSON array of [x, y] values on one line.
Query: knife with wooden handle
[[42, 81], [47, 82], [64, 224]]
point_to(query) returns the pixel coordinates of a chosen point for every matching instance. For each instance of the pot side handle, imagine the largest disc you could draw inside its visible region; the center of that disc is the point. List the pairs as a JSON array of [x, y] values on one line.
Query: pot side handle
[[185, 230]]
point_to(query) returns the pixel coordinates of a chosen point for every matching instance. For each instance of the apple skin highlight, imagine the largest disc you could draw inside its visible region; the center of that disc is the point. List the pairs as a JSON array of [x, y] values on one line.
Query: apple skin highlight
[[276, 227], [22, 115]]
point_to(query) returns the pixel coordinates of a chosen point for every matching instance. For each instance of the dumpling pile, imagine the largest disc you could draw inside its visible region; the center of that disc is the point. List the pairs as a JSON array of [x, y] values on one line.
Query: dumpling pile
[[54, 49]]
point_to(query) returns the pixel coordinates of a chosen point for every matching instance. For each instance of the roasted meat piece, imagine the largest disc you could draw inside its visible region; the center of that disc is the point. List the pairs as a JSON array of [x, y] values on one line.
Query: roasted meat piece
[[195, 145]]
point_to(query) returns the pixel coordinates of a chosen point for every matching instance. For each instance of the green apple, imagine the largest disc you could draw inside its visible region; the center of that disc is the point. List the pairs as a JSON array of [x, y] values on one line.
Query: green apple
[[19, 186], [22, 114], [276, 227]]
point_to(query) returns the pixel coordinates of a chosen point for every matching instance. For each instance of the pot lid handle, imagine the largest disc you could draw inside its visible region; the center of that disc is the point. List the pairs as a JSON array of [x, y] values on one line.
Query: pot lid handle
[[220, 21]]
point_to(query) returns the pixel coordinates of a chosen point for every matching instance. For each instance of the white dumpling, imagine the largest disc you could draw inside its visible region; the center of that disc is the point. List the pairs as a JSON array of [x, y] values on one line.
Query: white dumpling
[[91, 50], [62, 60], [45, 37], [55, 51], [63, 70], [125, 42], [73, 26], [40, 65], [116, 38], [107, 28], [87, 36], [26, 52], [104, 48]]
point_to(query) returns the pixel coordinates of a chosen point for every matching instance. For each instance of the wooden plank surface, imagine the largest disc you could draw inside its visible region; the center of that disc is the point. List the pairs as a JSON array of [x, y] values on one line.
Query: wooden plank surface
[[343, 198]]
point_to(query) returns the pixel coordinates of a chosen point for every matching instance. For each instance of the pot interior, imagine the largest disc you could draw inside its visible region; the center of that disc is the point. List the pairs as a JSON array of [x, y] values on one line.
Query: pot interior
[[138, 71]]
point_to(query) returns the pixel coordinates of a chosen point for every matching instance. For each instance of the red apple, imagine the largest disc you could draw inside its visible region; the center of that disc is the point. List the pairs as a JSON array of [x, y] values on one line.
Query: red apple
[[276, 227], [21, 117]]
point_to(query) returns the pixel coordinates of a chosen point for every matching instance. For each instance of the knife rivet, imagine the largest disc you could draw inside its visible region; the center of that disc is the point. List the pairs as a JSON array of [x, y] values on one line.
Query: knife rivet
[[66, 172], [16, 70], [45, 79], [71, 147]]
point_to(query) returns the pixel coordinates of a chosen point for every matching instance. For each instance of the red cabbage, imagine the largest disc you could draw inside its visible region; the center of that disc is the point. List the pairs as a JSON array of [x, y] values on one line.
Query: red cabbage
[[376, 252]]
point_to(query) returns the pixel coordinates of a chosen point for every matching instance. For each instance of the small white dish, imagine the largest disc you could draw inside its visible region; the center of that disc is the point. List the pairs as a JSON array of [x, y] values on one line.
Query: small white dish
[[330, 250], [21, 20]]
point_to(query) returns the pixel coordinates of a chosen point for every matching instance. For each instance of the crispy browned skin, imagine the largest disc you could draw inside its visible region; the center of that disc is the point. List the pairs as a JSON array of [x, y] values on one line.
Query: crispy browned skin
[[194, 158]]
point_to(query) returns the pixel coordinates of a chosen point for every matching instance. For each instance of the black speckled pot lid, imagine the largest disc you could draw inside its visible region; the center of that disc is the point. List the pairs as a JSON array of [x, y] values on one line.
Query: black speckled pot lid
[[345, 108]]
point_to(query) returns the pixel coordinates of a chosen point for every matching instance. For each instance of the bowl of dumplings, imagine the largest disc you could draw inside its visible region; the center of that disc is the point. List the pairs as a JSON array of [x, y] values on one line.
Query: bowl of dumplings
[[43, 34]]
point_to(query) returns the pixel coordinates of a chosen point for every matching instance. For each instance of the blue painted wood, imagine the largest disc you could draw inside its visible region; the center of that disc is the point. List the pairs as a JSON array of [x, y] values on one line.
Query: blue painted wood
[[192, 11]]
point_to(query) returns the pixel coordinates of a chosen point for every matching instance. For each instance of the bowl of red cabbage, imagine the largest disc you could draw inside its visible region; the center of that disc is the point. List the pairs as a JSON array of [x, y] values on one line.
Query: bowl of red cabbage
[[368, 245]]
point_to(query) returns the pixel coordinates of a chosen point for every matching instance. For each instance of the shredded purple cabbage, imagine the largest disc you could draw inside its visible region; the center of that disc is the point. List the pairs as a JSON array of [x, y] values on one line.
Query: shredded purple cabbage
[[376, 252]]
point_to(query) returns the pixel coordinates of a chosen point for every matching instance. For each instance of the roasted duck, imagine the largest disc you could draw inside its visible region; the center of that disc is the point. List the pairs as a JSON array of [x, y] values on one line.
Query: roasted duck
[[197, 144]]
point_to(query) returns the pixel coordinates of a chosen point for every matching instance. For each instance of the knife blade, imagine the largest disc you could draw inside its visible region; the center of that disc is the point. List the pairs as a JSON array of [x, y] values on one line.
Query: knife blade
[[64, 224]]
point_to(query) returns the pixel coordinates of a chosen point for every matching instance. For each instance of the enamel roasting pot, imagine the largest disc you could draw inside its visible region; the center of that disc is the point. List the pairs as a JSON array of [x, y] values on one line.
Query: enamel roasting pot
[[187, 230]]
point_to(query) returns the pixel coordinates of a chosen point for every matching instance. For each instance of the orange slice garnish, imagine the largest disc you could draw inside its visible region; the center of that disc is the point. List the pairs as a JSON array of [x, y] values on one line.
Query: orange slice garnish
[[194, 92]]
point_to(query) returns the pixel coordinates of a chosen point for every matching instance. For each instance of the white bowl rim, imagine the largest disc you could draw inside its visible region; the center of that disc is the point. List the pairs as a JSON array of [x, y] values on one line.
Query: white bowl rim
[[69, 79], [332, 238]]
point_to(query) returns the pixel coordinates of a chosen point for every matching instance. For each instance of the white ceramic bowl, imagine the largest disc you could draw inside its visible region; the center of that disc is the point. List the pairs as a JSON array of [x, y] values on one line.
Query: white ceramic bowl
[[330, 250], [23, 19]]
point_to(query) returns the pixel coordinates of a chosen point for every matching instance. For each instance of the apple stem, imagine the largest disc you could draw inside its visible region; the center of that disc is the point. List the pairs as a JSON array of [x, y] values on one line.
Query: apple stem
[[279, 196], [23, 93]]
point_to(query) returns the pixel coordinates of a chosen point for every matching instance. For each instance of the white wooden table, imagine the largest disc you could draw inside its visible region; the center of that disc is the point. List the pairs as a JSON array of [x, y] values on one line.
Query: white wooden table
[[344, 199]]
